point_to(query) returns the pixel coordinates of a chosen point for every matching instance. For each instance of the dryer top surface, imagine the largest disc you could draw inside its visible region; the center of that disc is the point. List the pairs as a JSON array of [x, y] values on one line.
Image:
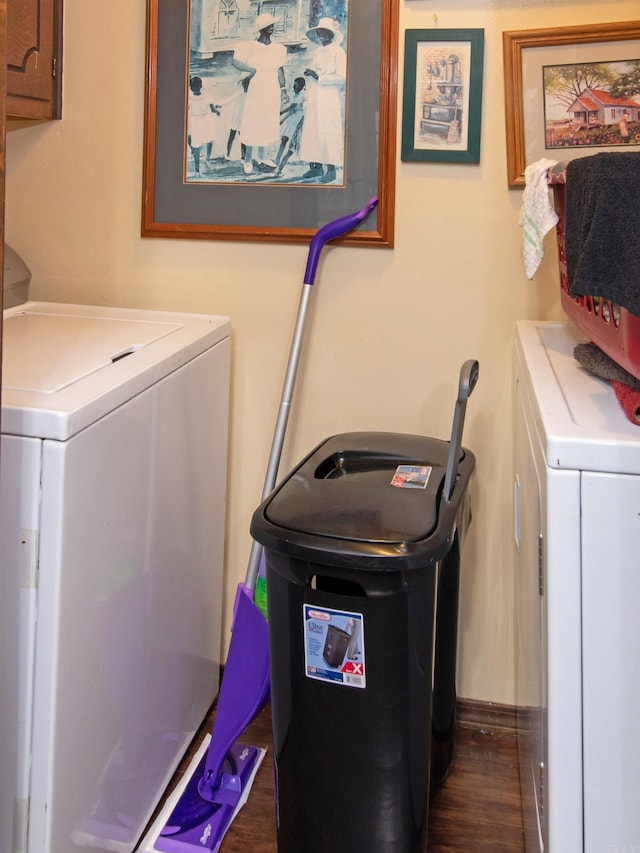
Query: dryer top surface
[[579, 420]]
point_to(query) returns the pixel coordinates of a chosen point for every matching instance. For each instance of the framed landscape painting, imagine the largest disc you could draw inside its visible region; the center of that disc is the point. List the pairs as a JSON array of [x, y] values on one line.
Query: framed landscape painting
[[569, 91]]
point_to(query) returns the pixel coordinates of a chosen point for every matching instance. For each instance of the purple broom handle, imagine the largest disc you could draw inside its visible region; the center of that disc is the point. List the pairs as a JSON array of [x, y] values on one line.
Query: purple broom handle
[[329, 232]]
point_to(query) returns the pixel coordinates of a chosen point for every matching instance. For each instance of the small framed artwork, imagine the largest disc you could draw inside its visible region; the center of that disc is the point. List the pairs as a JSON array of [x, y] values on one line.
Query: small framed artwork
[[442, 99], [266, 120], [569, 92]]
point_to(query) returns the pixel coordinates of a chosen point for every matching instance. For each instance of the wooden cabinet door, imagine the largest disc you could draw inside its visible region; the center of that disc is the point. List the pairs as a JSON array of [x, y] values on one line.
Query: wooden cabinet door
[[34, 58]]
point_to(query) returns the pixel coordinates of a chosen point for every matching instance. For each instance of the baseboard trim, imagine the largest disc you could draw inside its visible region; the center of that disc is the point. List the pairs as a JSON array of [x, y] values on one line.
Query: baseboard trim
[[486, 715]]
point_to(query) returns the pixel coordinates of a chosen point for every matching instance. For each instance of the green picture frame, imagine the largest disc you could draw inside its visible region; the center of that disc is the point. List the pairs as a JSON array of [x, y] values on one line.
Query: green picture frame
[[442, 95]]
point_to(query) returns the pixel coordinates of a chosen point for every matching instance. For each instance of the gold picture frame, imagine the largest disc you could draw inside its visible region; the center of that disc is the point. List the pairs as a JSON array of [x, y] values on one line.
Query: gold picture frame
[[524, 52]]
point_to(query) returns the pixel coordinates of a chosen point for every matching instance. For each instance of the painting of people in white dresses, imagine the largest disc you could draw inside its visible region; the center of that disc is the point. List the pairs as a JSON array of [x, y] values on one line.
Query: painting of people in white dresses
[[266, 92]]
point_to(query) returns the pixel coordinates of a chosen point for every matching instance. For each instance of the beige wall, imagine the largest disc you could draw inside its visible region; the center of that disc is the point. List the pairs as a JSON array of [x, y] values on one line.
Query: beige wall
[[390, 327]]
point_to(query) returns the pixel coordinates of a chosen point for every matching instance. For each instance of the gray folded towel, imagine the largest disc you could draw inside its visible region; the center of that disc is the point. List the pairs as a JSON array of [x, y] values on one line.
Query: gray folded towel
[[602, 228], [593, 359]]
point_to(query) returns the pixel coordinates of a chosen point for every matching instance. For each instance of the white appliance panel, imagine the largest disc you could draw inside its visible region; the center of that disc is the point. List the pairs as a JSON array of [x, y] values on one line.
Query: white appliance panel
[[577, 459], [611, 668], [19, 522], [563, 666], [126, 643], [548, 687], [530, 679]]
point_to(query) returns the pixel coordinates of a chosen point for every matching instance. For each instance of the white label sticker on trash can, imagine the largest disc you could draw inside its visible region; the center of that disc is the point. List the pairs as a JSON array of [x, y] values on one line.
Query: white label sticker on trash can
[[334, 646], [411, 476]]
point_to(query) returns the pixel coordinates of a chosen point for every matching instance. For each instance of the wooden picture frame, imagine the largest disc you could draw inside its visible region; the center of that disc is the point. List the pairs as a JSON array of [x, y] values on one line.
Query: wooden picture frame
[[525, 52], [442, 97], [283, 213]]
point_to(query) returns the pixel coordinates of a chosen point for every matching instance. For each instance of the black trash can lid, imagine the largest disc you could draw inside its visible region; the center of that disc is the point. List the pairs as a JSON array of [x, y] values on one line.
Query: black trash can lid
[[364, 487]]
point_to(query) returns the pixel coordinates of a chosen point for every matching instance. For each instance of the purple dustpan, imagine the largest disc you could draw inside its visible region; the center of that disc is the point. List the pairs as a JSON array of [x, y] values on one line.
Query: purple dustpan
[[208, 805], [243, 696]]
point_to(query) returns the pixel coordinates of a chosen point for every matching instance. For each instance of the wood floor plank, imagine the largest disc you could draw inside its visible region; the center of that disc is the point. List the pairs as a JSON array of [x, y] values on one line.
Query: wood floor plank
[[477, 808]]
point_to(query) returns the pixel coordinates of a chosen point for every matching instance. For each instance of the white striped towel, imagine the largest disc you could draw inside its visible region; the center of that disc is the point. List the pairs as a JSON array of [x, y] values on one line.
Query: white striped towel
[[537, 216]]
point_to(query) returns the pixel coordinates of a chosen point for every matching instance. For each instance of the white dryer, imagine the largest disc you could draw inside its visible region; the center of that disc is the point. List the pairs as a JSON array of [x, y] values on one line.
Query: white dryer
[[112, 508], [577, 534]]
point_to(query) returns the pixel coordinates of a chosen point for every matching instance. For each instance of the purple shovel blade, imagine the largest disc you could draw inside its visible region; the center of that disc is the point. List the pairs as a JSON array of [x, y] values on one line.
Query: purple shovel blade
[[206, 808], [243, 692]]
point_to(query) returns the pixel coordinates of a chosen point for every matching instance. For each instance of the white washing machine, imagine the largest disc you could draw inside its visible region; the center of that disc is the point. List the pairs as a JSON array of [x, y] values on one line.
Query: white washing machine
[[577, 534], [112, 505]]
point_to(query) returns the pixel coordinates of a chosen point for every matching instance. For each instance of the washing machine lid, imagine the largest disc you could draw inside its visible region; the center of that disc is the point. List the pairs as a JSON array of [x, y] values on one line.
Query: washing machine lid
[[579, 421], [66, 366]]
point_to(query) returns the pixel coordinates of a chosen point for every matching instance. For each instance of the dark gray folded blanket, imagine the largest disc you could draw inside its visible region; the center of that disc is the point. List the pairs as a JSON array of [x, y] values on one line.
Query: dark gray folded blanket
[[593, 359], [602, 228]]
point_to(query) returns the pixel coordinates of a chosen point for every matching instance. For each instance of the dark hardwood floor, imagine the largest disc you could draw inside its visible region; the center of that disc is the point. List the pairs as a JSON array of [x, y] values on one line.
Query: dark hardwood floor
[[476, 809]]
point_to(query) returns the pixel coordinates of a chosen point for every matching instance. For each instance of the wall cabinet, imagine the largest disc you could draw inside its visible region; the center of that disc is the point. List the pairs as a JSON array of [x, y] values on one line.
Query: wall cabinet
[[34, 59]]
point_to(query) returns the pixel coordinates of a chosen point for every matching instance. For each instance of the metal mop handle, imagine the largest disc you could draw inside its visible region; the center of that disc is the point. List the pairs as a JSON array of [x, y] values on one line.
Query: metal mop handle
[[468, 377], [328, 232]]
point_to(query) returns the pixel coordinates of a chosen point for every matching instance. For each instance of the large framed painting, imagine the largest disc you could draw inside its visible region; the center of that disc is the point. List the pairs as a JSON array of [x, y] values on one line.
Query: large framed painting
[[266, 120]]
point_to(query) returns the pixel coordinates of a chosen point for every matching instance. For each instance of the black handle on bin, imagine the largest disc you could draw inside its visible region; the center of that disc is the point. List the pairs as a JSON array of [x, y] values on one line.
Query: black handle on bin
[[468, 377]]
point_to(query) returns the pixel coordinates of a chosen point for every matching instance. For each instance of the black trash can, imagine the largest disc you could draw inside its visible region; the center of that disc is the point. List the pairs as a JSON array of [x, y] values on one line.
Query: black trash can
[[361, 552]]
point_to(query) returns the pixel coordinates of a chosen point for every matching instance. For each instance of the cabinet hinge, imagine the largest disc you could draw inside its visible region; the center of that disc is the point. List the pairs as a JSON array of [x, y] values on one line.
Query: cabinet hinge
[[541, 565], [54, 66]]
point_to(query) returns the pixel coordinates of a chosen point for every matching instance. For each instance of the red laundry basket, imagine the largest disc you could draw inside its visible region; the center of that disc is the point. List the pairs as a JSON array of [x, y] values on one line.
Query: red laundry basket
[[614, 329]]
